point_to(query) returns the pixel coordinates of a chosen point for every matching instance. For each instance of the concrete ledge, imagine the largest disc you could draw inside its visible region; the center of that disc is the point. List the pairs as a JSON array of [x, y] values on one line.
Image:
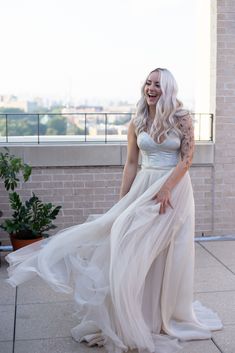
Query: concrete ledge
[[91, 154], [204, 153]]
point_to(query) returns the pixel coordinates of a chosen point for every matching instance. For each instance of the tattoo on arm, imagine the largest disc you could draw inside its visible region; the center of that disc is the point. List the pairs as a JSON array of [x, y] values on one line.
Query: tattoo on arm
[[185, 125]]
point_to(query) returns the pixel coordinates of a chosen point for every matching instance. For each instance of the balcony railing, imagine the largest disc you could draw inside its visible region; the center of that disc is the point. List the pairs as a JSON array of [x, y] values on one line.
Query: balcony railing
[[95, 127]]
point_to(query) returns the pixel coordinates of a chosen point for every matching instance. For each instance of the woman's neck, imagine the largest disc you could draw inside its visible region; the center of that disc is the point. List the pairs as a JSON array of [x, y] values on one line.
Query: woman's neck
[[152, 112]]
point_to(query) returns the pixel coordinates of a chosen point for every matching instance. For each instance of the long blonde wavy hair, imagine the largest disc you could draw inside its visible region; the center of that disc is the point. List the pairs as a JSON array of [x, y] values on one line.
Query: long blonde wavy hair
[[167, 108]]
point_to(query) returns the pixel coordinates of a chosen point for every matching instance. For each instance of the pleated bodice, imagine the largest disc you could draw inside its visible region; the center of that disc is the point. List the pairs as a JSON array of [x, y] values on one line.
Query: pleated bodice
[[155, 155]]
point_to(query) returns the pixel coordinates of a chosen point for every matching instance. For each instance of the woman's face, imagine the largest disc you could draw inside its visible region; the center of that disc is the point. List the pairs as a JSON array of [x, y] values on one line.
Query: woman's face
[[152, 89]]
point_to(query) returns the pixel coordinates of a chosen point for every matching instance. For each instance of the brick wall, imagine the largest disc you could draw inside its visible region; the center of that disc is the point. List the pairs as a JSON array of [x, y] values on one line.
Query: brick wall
[[202, 181], [90, 190], [224, 166], [80, 191]]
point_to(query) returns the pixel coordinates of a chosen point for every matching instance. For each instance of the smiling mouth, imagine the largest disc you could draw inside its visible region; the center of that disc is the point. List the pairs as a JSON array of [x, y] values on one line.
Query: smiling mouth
[[152, 95]]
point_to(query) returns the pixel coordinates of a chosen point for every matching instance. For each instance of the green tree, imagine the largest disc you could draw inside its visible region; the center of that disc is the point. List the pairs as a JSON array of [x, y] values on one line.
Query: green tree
[[11, 110], [2, 126], [56, 125], [22, 126]]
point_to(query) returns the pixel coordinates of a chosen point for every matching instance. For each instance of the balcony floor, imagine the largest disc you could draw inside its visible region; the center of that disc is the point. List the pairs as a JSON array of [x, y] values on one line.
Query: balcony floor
[[34, 319]]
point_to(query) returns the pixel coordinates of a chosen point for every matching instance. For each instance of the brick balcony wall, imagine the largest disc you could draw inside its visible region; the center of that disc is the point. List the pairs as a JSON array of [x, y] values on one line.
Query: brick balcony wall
[[80, 191], [84, 190]]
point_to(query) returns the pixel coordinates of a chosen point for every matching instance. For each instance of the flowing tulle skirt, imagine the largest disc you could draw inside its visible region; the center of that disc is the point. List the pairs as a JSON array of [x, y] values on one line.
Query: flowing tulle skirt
[[131, 271]]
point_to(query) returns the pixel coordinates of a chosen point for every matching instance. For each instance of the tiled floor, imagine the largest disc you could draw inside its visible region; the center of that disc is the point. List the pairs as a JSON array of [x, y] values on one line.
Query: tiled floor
[[34, 319]]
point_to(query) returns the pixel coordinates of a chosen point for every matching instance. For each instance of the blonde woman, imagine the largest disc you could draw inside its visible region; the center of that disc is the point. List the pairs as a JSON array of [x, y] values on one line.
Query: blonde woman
[[131, 269]]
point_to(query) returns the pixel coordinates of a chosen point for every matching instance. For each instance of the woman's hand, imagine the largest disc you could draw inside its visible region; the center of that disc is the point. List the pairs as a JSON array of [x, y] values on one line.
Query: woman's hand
[[163, 197]]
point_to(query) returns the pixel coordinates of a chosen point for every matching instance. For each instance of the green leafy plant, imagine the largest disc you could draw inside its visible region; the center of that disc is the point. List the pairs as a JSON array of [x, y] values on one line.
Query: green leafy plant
[[10, 167], [31, 218]]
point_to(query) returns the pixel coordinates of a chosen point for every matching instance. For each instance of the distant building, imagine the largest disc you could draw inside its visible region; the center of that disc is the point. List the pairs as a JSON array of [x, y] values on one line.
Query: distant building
[[100, 120], [89, 108], [11, 101]]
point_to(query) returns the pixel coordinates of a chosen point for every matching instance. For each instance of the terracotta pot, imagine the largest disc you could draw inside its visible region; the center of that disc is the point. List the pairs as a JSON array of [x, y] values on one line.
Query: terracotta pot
[[20, 243]]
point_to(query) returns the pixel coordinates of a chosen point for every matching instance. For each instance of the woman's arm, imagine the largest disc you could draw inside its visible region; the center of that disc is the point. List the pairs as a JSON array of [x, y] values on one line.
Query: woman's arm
[[187, 148], [131, 164]]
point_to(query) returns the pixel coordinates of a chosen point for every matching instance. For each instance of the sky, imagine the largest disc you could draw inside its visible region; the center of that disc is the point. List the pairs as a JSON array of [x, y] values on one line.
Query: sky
[[94, 50]]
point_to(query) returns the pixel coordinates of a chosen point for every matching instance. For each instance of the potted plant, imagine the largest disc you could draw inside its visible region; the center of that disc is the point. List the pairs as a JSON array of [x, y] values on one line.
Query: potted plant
[[31, 219]]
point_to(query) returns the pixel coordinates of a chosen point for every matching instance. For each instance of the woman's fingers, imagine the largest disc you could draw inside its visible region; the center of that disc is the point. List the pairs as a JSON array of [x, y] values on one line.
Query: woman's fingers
[[162, 209], [164, 205], [164, 202], [169, 203]]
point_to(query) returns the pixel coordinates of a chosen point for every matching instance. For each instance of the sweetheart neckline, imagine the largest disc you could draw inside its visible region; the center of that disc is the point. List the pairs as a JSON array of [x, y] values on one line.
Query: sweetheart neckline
[[158, 144]]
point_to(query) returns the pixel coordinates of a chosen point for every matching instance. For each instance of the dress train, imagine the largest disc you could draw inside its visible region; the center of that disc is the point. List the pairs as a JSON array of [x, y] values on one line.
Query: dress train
[[131, 271]]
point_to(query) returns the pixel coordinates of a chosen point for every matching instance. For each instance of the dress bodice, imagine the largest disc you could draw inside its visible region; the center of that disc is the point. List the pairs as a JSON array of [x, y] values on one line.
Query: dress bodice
[[155, 155]]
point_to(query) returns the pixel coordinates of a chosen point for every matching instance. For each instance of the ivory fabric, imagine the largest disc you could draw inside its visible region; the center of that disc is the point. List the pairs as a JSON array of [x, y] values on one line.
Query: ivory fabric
[[131, 270]]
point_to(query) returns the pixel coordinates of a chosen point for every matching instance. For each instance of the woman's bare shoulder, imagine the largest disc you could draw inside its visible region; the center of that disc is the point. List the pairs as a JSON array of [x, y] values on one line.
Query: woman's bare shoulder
[[182, 113]]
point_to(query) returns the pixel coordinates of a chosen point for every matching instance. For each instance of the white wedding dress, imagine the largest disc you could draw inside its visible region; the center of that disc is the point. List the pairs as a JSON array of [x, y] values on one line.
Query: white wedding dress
[[131, 270]]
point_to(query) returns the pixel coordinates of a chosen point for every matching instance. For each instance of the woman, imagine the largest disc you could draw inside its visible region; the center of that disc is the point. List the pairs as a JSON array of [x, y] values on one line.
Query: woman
[[131, 269]]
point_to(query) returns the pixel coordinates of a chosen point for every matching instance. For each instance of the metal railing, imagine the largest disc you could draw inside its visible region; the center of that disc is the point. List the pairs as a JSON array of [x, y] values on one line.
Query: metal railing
[[93, 127]]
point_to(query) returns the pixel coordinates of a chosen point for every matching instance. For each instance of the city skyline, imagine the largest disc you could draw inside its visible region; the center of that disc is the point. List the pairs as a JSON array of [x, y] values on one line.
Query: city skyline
[[96, 52]]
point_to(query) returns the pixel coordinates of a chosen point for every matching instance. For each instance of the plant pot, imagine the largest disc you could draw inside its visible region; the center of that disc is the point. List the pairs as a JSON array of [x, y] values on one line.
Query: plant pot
[[20, 243]]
